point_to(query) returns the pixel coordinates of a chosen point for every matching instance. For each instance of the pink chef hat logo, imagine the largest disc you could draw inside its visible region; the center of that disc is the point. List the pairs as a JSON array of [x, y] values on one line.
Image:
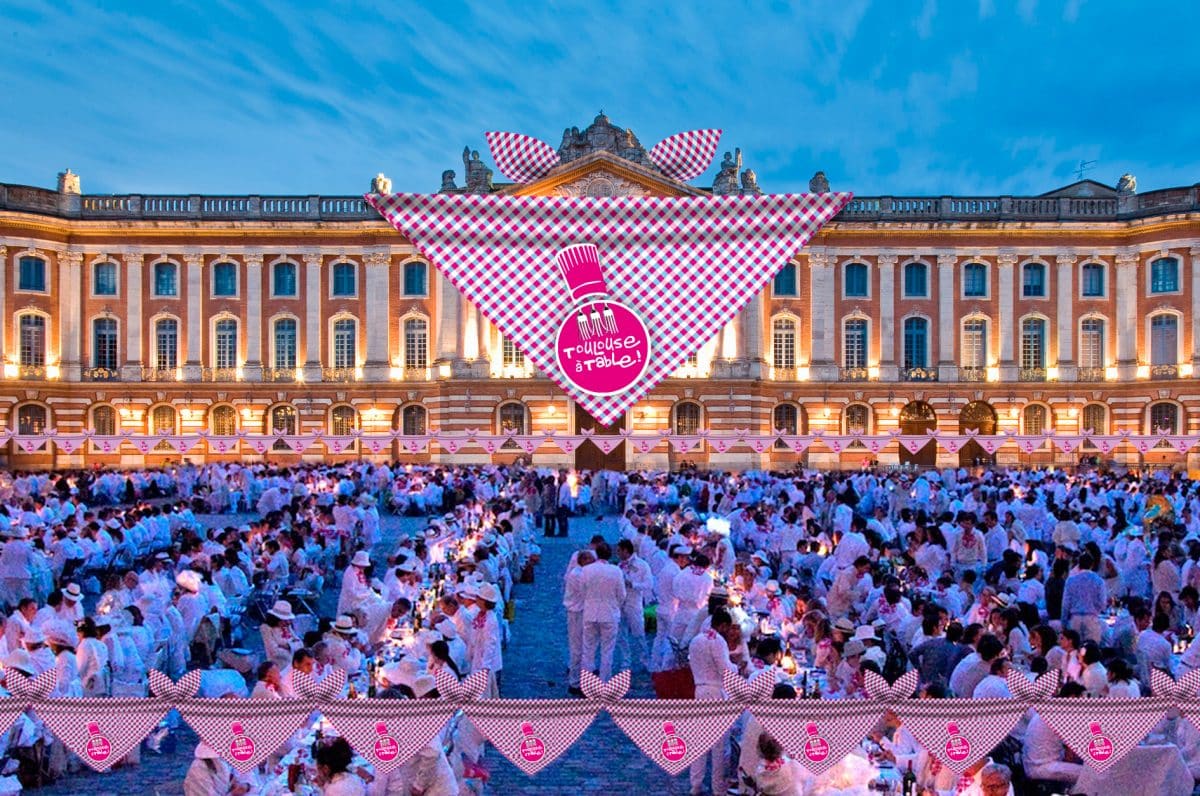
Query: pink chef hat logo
[[958, 748], [811, 729], [241, 748], [381, 728], [1100, 748], [816, 748], [673, 747], [98, 748], [532, 748], [1094, 728], [386, 748], [580, 267]]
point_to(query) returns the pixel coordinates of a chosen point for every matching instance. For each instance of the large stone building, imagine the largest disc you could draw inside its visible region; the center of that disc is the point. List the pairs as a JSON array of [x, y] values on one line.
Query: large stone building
[[1076, 309]]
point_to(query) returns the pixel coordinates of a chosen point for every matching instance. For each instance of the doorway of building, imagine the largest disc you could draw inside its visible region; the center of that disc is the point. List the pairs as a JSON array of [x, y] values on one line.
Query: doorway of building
[[588, 455], [980, 417], [918, 417]]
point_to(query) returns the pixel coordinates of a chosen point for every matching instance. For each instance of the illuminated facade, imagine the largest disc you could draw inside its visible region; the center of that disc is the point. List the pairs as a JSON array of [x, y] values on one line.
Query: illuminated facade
[[1072, 310]]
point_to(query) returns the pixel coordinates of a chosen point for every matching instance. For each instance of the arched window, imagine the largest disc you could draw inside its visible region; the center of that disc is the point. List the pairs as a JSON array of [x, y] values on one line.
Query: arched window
[[342, 420], [1033, 347], [345, 343], [1091, 343], [510, 355], [225, 349], [858, 419], [786, 419], [104, 343], [31, 419], [412, 420], [854, 343], [416, 343], [975, 283], [511, 420], [224, 279], [32, 329], [104, 279], [1092, 280], [166, 343], [916, 343], [783, 342], [1164, 416], [166, 280], [1094, 419], [855, 281], [1164, 339], [687, 417], [1033, 280], [785, 281], [284, 335], [32, 274], [974, 343], [283, 280], [222, 421], [416, 278], [1035, 416], [1164, 275], [916, 280], [104, 420], [344, 279], [162, 420], [281, 420]]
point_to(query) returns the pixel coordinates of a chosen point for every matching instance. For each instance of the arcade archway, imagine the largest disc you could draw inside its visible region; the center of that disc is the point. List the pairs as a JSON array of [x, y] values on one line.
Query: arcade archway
[[980, 417], [918, 417]]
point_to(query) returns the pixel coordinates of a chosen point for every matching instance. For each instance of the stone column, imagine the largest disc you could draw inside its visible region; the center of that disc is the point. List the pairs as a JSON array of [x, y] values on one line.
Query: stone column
[[824, 366], [1127, 319], [449, 319], [252, 370], [195, 316], [1195, 253], [888, 371], [70, 310], [465, 327], [379, 325], [1067, 371], [947, 328], [483, 354], [131, 370], [751, 337], [1006, 265], [312, 317]]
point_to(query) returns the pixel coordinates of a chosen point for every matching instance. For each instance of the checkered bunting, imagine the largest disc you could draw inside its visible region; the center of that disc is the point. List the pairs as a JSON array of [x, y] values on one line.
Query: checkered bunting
[[532, 733], [521, 158], [245, 732], [101, 731], [686, 265], [318, 692], [30, 689], [1102, 731], [960, 732], [684, 156], [165, 688], [387, 732], [674, 733], [818, 733], [460, 692]]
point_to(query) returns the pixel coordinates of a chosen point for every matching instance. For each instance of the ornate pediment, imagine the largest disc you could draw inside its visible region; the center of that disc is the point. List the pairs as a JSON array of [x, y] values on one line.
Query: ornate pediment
[[603, 174], [601, 183]]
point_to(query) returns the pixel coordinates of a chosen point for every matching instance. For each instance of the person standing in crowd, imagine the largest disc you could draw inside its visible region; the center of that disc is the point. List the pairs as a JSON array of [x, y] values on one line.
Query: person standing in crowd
[[603, 588]]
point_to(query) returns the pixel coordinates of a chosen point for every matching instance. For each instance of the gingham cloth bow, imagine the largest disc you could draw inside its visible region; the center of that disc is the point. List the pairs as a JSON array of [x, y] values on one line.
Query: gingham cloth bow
[[608, 693], [31, 689], [318, 691], [752, 691], [460, 693], [173, 692]]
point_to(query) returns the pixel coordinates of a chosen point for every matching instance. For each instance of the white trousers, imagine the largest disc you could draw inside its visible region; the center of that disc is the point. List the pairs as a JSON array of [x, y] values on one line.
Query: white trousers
[[602, 635], [719, 754], [574, 646], [631, 640]]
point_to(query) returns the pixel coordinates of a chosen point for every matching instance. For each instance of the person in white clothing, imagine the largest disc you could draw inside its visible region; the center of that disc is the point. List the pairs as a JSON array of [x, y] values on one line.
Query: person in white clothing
[[209, 775], [573, 602], [639, 588], [708, 657], [603, 588]]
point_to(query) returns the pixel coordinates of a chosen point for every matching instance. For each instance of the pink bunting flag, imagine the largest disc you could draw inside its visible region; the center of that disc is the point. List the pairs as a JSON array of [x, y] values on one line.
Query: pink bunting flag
[[101, 731], [799, 444], [568, 443], [913, 443], [606, 444], [684, 444], [1067, 443], [245, 732]]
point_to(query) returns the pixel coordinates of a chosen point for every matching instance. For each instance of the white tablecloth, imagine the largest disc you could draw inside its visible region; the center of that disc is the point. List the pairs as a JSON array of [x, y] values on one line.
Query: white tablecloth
[[1145, 771]]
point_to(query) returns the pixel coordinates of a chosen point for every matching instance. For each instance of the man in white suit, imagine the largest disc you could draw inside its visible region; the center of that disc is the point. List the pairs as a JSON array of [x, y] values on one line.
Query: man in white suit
[[603, 587]]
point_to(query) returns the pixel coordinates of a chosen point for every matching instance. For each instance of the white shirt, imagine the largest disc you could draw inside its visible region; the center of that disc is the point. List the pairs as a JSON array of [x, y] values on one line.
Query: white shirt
[[603, 588]]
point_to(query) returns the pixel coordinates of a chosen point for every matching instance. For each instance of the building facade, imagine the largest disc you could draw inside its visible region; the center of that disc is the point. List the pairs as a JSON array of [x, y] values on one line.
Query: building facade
[[1074, 310]]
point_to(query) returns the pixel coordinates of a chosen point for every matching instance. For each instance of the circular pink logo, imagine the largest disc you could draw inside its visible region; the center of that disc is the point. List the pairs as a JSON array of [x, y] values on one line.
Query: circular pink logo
[[958, 748], [673, 747], [1100, 748], [602, 347], [816, 748], [98, 748], [386, 747], [532, 749], [241, 748]]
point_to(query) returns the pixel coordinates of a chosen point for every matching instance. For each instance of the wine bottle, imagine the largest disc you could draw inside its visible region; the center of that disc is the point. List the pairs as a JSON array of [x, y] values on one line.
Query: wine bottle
[[908, 784]]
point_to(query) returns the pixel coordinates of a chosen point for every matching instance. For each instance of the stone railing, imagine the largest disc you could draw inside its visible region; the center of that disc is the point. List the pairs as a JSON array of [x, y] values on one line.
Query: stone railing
[[853, 374], [1164, 371], [219, 374], [1031, 374], [1092, 374], [339, 374], [918, 374], [100, 374], [279, 374], [160, 374], [972, 374]]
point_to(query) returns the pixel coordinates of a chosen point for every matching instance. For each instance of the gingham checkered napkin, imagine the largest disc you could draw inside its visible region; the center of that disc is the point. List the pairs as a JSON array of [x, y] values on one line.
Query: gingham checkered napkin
[[686, 265], [102, 731], [684, 156], [245, 731], [387, 732], [532, 733], [1182, 692], [24, 690]]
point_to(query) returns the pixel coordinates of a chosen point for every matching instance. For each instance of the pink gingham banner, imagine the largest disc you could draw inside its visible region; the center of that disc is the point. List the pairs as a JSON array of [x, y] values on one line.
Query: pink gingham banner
[[1101, 732], [245, 732], [961, 732], [674, 733], [685, 265], [685, 156], [532, 733], [174, 692], [818, 733], [30, 690], [521, 158], [387, 732], [101, 731], [461, 692], [318, 691]]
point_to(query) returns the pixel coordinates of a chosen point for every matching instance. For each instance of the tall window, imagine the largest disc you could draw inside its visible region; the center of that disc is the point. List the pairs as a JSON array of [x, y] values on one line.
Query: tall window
[[1033, 343], [104, 420], [225, 279], [1164, 275], [1035, 419], [1164, 339], [166, 343], [285, 344], [343, 279], [1033, 280], [786, 418], [1091, 343], [512, 418], [916, 280], [916, 343], [858, 419], [31, 419], [162, 420], [104, 279], [284, 277], [342, 420], [974, 343], [975, 280], [1093, 280], [1095, 419], [416, 343], [32, 274], [856, 280], [854, 343], [687, 417], [510, 355], [1164, 417], [104, 343], [166, 279], [412, 420], [282, 420], [226, 338], [33, 340], [783, 342], [223, 421], [416, 278], [345, 343], [785, 281]]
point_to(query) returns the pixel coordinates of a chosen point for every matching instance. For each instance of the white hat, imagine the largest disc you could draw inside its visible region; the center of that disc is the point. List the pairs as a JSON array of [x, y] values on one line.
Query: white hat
[[423, 684], [407, 565], [791, 582], [344, 624], [361, 559], [113, 523], [772, 587], [21, 661], [682, 550], [446, 628], [73, 592], [206, 752], [467, 589], [188, 579], [761, 555], [162, 556], [865, 633], [60, 634], [282, 609], [853, 647], [489, 593], [19, 532]]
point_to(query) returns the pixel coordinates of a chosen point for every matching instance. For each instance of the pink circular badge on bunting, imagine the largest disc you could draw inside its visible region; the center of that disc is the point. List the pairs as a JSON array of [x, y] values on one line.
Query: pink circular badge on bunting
[[98, 748], [241, 748], [673, 747], [816, 748], [386, 747], [532, 749], [958, 748], [602, 347], [1100, 748]]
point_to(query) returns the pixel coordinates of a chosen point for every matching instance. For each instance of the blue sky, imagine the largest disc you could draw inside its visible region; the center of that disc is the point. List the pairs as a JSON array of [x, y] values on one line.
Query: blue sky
[[953, 97]]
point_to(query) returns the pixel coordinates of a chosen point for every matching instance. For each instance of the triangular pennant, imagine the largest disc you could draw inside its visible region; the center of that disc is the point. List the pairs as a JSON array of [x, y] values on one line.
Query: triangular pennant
[[721, 442], [528, 442], [244, 732], [797, 443], [674, 733], [460, 693], [414, 444], [387, 732], [339, 443], [760, 443], [568, 443], [644, 444], [960, 732], [1102, 731], [913, 443], [1067, 443], [259, 443], [1182, 444], [683, 444], [685, 156], [107, 444], [101, 731], [376, 443], [69, 443], [297, 443], [30, 442], [606, 444], [318, 692], [532, 733], [186, 688], [952, 443], [817, 733], [703, 248]]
